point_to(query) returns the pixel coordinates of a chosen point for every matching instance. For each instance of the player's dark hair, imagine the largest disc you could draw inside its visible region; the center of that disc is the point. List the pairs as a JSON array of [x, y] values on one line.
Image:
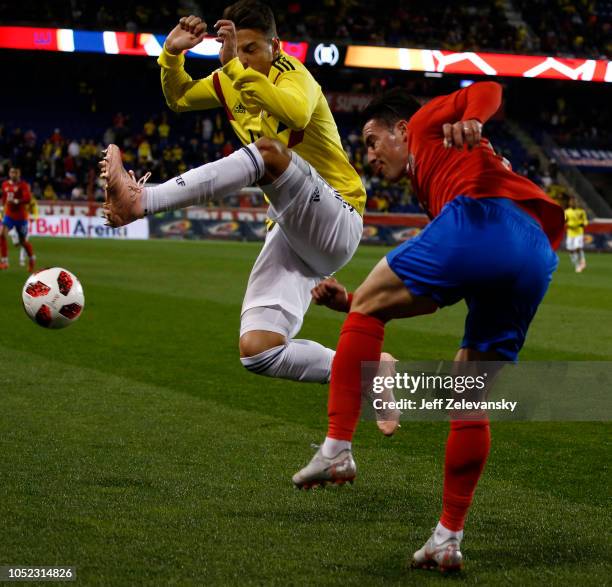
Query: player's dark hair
[[252, 14], [392, 106]]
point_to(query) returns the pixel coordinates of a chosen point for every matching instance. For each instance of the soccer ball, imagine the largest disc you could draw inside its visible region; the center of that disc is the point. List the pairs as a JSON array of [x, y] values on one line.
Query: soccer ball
[[53, 297]]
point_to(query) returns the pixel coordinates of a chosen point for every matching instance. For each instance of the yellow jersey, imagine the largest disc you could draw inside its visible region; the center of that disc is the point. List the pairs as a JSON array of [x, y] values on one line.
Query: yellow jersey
[[575, 221], [287, 105], [33, 207]]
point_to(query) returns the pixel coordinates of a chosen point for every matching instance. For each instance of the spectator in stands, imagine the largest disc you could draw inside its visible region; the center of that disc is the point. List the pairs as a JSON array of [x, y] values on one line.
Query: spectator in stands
[[149, 128], [74, 149], [56, 138], [227, 149], [49, 192], [144, 152], [207, 130]]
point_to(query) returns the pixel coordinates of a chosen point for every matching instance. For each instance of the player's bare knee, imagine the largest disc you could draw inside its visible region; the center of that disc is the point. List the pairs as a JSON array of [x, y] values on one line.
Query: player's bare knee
[[256, 342], [275, 155]]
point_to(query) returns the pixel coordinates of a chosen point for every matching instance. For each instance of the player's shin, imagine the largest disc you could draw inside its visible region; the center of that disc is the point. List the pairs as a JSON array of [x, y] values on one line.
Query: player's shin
[[574, 258], [360, 341], [27, 245], [298, 360], [3, 247], [467, 450], [217, 179]]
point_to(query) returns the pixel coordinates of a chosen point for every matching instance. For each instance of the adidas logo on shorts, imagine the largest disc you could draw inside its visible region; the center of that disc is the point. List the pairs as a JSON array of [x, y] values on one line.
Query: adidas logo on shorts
[[316, 196]]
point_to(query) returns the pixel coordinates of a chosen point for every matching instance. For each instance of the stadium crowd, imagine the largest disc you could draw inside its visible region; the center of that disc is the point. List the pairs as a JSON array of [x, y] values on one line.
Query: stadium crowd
[[576, 27], [65, 168]]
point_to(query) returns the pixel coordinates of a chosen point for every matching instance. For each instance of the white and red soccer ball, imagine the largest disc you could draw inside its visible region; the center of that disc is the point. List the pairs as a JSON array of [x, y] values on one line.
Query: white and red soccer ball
[[53, 298]]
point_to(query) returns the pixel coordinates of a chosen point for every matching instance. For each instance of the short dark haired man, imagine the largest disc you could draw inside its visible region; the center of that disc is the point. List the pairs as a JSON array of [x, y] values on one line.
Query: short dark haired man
[[490, 242], [293, 150]]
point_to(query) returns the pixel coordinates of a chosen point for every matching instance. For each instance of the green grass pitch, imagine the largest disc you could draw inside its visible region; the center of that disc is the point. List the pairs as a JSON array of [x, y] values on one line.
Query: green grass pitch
[[135, 447]]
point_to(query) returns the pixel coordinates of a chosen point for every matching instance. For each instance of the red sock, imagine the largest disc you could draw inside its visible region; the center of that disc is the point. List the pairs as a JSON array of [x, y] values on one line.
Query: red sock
[[467, 449], [29, 250], [361, 339], [3, 247]]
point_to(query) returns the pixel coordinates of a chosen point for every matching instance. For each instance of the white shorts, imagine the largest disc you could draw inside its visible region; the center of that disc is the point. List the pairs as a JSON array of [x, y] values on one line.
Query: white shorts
[[316, 233], [14, 235], [573, 243]]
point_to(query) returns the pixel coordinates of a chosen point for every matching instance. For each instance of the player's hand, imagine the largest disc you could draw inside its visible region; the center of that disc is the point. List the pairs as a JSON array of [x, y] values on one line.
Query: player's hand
[[330, 293], [464, 132], [226, 35], [188, 33]]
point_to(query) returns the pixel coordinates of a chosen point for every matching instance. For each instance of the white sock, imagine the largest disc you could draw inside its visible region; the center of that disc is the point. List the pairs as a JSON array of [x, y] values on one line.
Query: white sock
[[299, 360], [22, 255], [219, 178], [331, 447], [442, 534], [581, 258], [574, 258]]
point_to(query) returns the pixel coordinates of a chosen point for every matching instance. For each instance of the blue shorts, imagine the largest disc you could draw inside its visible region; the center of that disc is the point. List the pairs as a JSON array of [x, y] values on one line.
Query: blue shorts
[[21, 226], [492, 254]]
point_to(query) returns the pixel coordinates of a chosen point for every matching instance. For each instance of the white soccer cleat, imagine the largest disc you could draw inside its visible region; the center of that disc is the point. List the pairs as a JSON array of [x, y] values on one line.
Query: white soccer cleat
[[387, 419], [320, 470], [446, 556]]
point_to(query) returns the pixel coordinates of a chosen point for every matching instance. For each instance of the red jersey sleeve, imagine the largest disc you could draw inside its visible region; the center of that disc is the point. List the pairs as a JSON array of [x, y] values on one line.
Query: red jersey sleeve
[[482, 100], [479, 101]]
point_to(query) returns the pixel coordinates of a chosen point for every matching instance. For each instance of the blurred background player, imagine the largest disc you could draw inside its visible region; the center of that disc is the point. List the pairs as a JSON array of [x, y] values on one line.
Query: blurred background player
[[293, 150], [490, 242], [575, 221], [33, 214], [16, 197]]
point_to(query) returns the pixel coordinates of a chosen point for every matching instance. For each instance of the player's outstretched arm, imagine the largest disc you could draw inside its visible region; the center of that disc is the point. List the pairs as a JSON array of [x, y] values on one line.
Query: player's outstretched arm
[[182, 93], [332, 294]]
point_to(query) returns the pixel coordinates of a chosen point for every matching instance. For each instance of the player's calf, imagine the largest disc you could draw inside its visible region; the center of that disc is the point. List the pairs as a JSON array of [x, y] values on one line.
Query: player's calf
[[3, 249], [297, 360]]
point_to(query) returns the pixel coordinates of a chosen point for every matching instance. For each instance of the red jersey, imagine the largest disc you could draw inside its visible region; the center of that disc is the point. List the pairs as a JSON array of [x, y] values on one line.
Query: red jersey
[[19, 191], [439, 174]]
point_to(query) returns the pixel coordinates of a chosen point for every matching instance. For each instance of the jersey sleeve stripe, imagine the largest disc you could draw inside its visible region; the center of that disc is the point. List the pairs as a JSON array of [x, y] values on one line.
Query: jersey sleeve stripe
[[254, 161], [277, 66], [288, 63]]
